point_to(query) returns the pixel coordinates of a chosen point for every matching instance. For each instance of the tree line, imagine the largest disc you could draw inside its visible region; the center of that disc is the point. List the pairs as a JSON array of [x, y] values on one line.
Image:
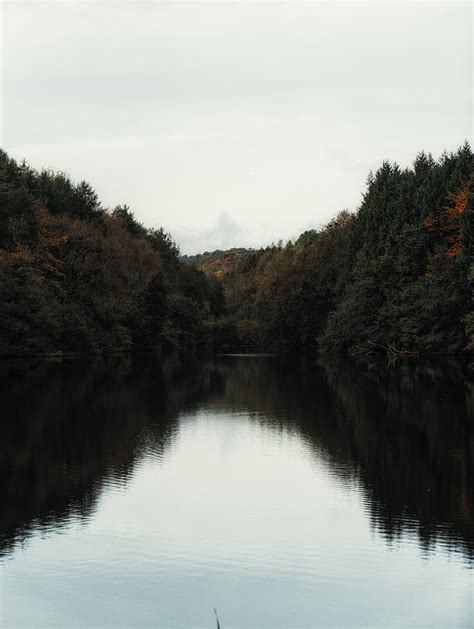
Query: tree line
[[78, 278], [395, 276]]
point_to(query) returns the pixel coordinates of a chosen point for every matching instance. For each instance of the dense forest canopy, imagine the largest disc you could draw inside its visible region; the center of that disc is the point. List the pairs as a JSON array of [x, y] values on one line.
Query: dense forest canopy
[[76, 277], [217, 262], [396, 275]]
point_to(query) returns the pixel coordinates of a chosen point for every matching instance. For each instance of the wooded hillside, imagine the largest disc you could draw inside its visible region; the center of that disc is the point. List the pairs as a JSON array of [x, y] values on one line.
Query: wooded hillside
[[217, 262], [396, 276], [76, 277]]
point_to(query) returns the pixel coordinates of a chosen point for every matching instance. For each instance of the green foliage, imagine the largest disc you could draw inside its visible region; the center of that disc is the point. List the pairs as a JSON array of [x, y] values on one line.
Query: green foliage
[[393, 275], [306, 237], [282, 295], [75, 278], [125, 216], [408, 283], [469, 319]]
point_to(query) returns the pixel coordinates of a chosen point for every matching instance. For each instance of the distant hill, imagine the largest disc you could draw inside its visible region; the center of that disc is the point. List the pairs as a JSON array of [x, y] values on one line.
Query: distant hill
[[216, 262]]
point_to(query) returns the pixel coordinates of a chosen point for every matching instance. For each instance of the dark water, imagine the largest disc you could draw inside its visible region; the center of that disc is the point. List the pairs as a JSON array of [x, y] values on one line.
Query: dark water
[[283, 492]]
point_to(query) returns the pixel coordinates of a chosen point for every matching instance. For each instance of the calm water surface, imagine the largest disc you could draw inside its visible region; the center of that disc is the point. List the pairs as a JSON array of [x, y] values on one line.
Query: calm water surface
[[283, 492]]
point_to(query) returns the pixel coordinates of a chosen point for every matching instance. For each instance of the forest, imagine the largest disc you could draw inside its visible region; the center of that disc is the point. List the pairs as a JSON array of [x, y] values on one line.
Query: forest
[[78, 278], [394, 277]]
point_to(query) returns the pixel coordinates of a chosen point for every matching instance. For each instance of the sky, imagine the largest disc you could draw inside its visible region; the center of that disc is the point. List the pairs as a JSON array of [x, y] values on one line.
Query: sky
[[233, 124]]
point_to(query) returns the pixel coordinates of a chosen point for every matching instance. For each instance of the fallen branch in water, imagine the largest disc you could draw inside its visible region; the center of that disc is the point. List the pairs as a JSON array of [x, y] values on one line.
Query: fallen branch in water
[[390, 349]]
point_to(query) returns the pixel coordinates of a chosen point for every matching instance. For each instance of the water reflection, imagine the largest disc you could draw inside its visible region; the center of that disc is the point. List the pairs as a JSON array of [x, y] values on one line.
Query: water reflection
[[404, 433]]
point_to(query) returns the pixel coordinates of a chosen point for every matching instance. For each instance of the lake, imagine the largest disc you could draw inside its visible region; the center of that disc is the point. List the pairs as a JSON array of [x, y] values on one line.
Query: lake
[[282, 491]]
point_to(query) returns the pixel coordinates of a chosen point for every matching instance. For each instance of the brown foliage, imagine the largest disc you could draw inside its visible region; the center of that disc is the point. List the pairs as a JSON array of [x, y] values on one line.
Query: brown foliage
[[447, 227]]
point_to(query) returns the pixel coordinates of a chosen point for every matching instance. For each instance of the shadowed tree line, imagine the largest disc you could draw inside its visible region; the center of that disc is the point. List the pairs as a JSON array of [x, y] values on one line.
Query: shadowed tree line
[[403, 432], [394, 277], [75, 277]]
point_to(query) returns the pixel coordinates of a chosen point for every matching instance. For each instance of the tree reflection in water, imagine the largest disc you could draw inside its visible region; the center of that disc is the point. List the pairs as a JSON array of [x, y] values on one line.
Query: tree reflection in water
[[404, 431]]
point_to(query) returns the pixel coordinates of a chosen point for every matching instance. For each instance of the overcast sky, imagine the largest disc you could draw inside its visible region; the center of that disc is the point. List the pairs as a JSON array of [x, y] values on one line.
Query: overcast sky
[[233, 124]]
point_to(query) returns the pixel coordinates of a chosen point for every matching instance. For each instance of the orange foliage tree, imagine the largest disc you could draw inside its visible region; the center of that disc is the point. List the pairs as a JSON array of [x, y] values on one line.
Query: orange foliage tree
[[448, 226]]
